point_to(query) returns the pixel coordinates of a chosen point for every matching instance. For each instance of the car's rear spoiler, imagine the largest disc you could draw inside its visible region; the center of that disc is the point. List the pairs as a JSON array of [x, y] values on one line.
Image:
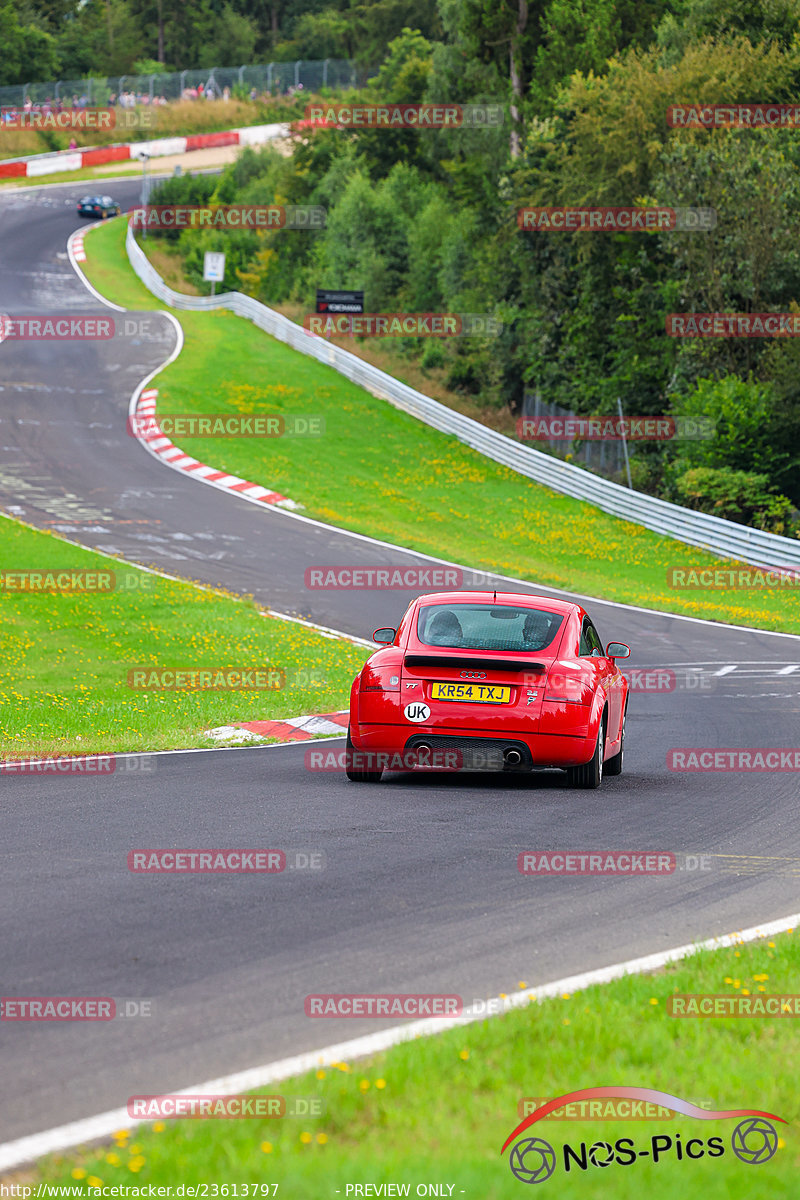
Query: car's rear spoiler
[[457, 660]]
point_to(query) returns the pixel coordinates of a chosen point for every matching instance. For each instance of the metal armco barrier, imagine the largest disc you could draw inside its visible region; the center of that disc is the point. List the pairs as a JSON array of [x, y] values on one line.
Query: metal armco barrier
[[727, 539]]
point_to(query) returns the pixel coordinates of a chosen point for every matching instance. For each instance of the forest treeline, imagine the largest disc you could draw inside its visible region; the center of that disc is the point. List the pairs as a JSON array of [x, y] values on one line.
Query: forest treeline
[[426, 221]]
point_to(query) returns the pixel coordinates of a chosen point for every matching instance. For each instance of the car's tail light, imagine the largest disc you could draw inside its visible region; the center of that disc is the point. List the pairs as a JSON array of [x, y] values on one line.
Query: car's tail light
[[564, 687], [381, 678]]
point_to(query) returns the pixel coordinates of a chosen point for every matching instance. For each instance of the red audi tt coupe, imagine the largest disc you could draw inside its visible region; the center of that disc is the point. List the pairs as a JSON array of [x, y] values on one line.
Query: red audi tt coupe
[[492, 681]]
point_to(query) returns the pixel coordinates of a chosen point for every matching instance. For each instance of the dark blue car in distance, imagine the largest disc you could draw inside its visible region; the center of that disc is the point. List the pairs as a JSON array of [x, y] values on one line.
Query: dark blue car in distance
[[98, 206]]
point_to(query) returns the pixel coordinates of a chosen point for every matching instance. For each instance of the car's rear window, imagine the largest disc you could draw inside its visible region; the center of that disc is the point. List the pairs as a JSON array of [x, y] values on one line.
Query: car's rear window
[[487, 627]]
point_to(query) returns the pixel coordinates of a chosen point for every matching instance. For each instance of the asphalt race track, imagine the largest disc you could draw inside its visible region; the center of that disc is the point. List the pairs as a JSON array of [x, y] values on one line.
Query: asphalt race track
[[420, 890]]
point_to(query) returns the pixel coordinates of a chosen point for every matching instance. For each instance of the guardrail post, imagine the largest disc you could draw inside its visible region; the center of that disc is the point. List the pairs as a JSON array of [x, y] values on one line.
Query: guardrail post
[[325, 72], [624, 442], [270, 67], [241, 76], [297, 72]]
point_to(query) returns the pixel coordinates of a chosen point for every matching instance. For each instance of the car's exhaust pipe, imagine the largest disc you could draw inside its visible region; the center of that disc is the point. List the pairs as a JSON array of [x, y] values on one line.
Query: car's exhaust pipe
[[512, 757], [423, 750]]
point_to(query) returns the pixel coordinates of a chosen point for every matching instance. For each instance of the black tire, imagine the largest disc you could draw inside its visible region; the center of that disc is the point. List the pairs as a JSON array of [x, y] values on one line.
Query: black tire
[[355, 774], [590, 775], [614, 765]]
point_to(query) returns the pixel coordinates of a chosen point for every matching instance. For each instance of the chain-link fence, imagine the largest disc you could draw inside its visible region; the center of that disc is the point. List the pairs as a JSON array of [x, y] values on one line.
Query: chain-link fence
[[604, 457], [276, 78]]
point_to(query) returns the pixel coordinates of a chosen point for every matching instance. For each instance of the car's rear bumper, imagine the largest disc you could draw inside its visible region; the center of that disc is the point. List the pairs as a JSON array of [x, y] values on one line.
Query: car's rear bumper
[[460, 749]]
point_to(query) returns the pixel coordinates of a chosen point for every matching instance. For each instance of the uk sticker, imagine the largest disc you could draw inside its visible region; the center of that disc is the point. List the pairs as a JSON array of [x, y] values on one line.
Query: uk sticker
[[417, 711]]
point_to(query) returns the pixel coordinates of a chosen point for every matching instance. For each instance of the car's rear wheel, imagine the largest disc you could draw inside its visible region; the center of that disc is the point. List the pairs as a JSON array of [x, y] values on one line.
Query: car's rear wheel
[[614, 765], [590, 775], [355, 773]]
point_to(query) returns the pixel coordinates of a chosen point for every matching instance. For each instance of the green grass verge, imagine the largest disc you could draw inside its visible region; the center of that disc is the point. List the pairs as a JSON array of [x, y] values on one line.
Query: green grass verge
[[64, 685], [438, 1109], [380, 472]]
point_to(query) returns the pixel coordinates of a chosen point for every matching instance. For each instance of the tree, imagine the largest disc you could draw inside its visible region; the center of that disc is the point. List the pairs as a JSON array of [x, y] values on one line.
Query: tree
[[28, 53], [744, 496], [327, 34], [747, 429], [750, 262], [505, 36], [233, 42], [758, 20], [582, 35]]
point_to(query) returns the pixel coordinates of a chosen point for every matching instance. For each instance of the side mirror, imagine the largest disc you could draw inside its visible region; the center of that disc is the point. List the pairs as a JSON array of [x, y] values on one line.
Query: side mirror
[[617, 650], [385, 637]]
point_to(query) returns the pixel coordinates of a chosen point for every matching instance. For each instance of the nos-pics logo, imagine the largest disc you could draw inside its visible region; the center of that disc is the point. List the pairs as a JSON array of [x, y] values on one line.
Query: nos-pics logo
[[534, 1160]]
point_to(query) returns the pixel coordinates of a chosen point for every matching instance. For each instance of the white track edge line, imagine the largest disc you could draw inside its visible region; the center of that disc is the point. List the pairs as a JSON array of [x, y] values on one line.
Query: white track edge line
[[328, 737], [63, 1137]]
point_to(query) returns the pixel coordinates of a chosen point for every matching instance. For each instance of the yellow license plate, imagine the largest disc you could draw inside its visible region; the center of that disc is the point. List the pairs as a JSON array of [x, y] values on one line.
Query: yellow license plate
[[478, 693]]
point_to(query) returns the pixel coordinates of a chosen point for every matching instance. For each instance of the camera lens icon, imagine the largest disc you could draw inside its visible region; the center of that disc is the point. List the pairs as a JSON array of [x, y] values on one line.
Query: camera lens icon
[[754, 1141], [601, 1154], [532, 1161]]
